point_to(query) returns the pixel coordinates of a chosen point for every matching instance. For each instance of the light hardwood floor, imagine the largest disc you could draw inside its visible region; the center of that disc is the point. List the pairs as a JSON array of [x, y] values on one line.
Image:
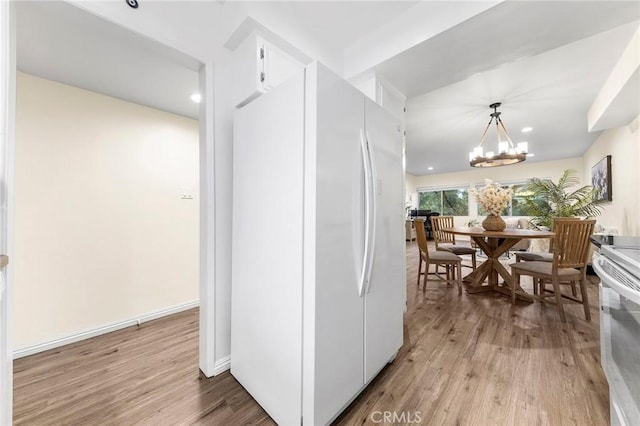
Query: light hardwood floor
[[466, 360]]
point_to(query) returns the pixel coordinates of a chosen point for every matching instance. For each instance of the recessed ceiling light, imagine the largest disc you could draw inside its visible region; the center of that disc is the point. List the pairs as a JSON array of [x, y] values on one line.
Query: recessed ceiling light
[[196, 97], [526, 129], [429, 168], [531, 154]]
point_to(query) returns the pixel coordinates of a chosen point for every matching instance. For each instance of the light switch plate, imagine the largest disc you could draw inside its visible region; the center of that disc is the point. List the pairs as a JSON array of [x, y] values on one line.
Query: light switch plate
[[186, 193]]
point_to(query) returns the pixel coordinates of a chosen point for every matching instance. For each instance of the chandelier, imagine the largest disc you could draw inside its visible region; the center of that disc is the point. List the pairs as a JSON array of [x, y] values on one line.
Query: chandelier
[[508, 153]]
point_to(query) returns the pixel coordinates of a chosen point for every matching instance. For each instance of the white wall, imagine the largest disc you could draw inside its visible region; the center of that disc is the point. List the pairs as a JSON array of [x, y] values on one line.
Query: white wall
[[623, 144], [470, 178], [102, 234]]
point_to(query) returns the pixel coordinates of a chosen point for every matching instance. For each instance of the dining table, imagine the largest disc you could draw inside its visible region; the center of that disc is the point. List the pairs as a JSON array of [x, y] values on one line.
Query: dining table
[[494, 244]]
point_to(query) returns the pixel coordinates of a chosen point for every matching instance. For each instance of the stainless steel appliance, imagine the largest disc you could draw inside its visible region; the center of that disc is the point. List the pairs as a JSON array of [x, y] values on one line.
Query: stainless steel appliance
[[618, 266]]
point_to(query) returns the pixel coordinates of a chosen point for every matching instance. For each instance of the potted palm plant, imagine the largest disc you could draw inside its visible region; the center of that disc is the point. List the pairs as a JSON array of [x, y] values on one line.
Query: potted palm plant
[[546, 199]]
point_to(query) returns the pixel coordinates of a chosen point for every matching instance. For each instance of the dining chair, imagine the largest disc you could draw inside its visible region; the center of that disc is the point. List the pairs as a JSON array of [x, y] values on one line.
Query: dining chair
[[446, 241], [451, 262], [541, 255], [544, 256], [569, 265]]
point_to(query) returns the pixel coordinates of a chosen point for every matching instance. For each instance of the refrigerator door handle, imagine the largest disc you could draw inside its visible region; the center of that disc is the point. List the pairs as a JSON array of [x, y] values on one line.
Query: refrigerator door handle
[[373, 175], [366, 165]]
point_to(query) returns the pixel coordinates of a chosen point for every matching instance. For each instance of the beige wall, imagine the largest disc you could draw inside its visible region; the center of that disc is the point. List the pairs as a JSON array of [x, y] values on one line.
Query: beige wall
[[623, 144], [470, 178], [101, 232]]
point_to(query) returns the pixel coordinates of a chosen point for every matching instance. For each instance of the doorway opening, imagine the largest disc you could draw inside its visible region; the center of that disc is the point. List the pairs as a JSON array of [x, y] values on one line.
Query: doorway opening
[[106, 178]]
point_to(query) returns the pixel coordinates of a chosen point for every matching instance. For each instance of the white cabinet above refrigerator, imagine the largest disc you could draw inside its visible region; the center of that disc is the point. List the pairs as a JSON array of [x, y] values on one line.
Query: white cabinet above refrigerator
[[259, 66]]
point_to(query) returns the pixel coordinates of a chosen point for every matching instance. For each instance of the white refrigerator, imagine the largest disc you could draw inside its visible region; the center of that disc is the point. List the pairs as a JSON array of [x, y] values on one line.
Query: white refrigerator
[[318, 278]]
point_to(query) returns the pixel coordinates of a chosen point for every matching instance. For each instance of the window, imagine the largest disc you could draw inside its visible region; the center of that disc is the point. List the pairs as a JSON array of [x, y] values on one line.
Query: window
[[449, 202], [431, 200], [518, 203]]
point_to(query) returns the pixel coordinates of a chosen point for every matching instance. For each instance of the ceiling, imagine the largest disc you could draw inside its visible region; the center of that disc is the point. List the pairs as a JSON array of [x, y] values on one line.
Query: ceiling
[[545, 61], [332, 24], [60, 42], [63, 43]]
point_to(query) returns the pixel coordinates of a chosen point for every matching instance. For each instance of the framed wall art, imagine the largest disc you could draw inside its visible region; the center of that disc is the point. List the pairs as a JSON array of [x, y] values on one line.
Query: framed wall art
[[601, 178]]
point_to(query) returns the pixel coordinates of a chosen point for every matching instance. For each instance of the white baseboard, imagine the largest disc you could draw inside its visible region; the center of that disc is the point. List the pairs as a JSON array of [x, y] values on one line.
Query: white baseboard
[[222, 365], [76, 337]]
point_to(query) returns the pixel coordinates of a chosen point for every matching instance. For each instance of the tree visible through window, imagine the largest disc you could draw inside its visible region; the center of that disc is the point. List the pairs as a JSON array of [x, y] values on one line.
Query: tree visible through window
[[450, 202], [518, 203], [455, 202], [431, 200]]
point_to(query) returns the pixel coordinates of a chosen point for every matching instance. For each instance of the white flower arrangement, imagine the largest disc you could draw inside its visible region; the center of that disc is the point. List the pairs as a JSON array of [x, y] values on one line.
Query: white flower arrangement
[[492, 197]]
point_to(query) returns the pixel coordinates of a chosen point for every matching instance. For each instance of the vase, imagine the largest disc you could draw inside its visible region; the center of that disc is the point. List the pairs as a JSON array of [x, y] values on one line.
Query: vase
[[494, 223]]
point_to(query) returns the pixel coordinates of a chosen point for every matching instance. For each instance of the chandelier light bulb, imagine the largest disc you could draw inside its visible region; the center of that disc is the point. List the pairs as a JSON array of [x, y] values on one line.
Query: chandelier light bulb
[[523, 147]]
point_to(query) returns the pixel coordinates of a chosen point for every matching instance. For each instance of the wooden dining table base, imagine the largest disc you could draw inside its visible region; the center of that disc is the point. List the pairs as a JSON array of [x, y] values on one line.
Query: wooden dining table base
[[491, 269]]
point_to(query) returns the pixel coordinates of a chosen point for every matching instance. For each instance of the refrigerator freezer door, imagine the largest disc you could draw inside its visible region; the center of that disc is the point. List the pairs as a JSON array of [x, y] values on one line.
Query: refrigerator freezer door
[[339, 245], [384, 301]]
